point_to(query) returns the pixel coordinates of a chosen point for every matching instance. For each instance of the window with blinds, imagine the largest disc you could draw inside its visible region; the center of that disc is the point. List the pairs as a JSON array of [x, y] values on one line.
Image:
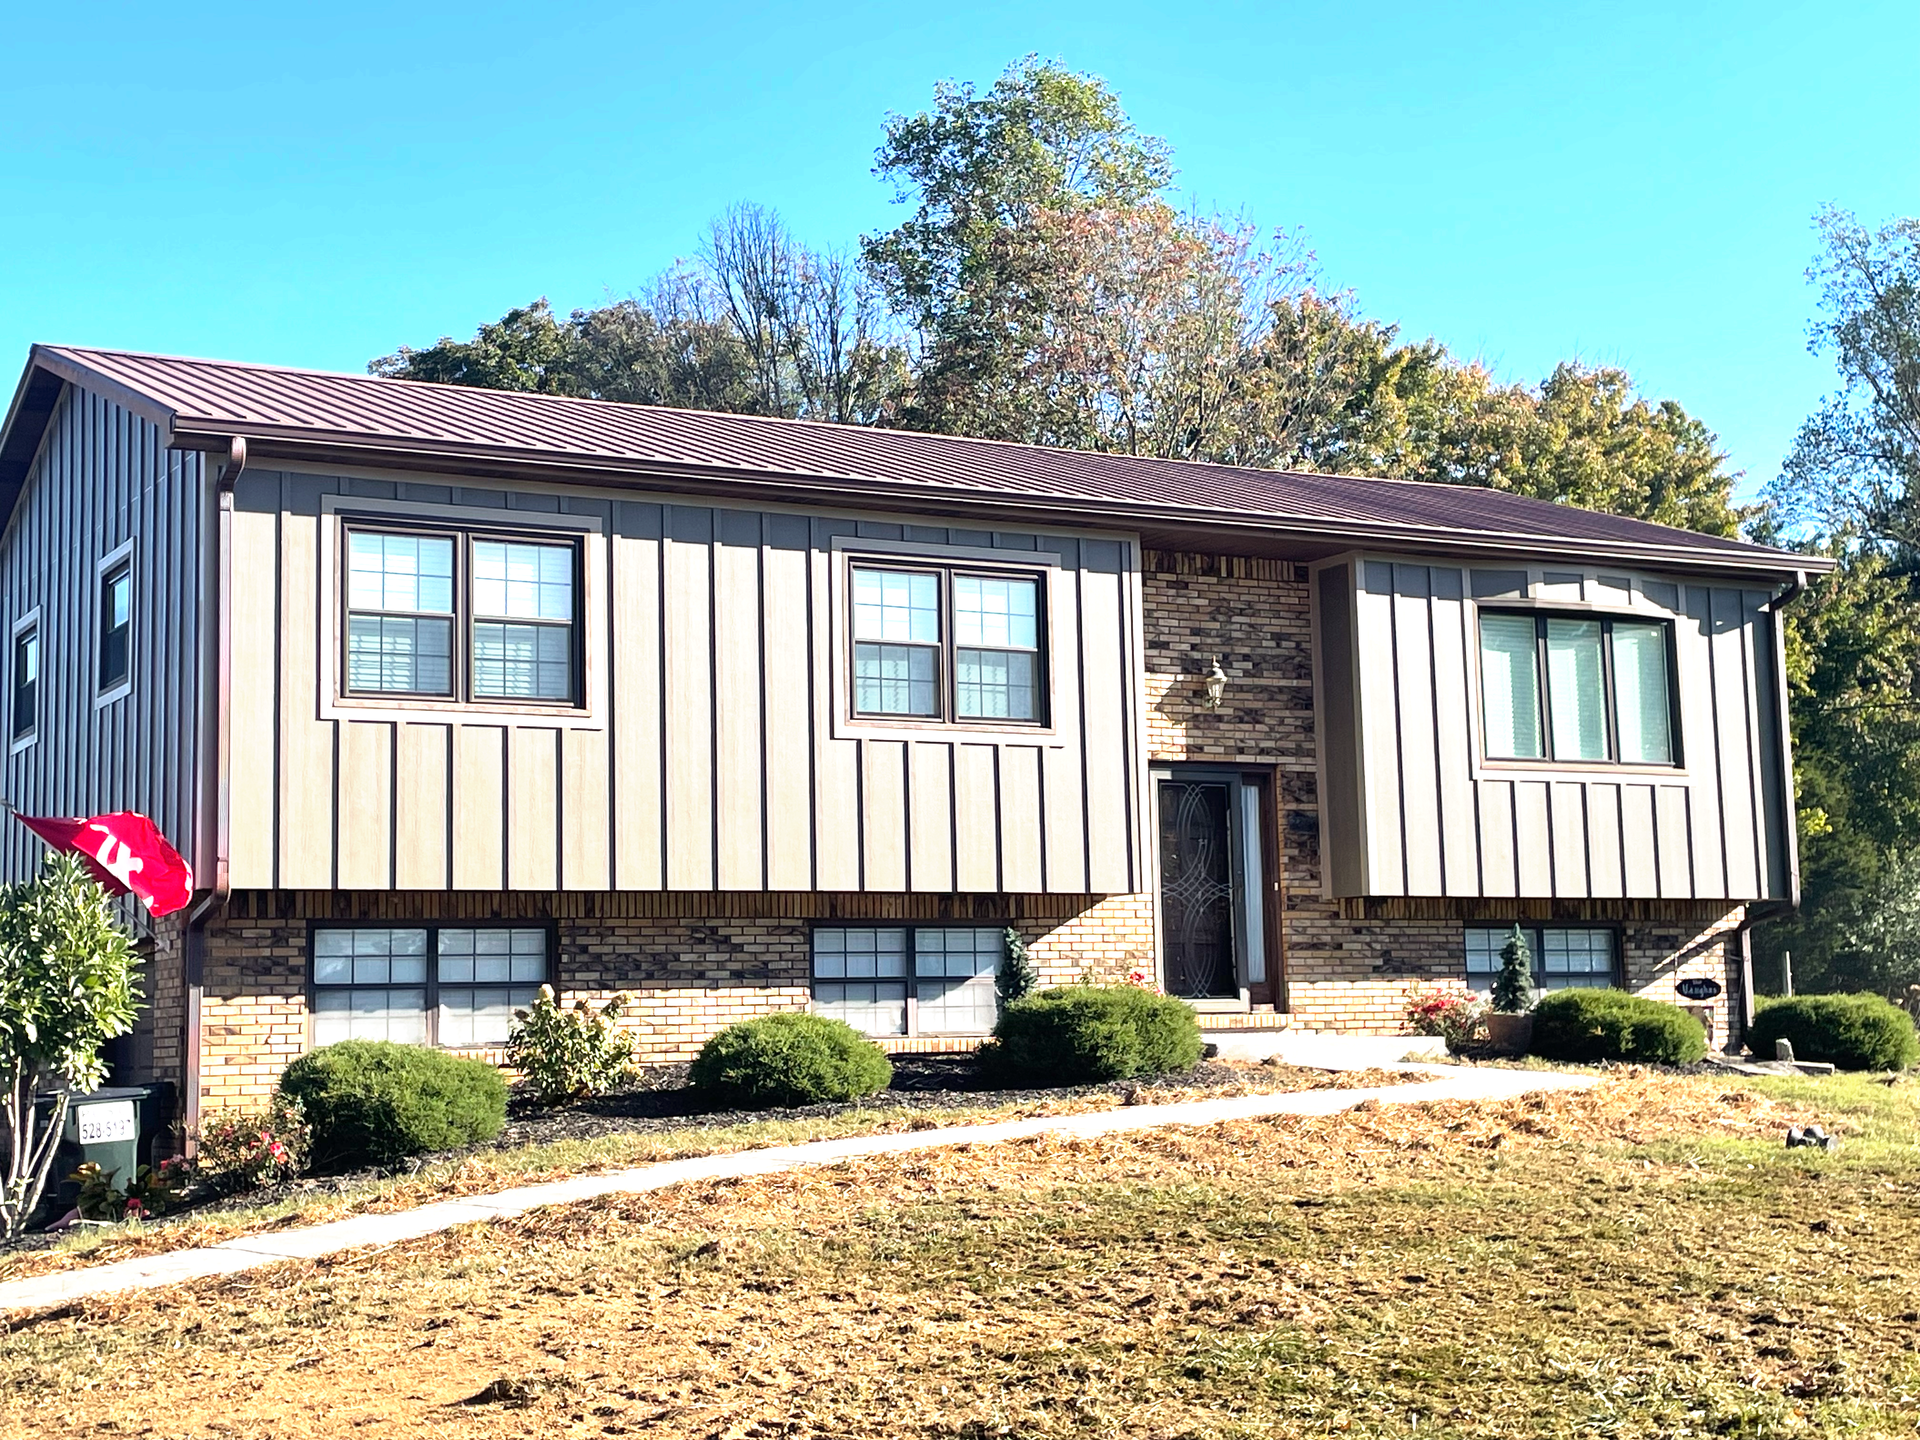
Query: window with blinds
[[1586, 689], [941, 644], [908, 979]]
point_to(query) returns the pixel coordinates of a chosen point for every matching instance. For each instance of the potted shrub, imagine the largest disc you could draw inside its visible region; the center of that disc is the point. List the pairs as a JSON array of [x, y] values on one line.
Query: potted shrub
[[1509, 1023]]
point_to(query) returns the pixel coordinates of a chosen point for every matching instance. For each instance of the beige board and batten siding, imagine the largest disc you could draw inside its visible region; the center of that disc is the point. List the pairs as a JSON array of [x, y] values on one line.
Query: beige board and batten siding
[[104, 483], [710, 755], [1412, 809]]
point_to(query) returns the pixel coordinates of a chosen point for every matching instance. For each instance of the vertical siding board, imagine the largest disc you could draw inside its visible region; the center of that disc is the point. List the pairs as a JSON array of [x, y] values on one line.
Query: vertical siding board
[[883, 827], [1568, 806], [1605, 879], [687, 596], [1385, 854], [1453, 736], [1673, 824], [1639, 843], [738, 686], [789, 734], [533, 791], [1497, 866], [976, 858], [1104, 674], [366, 806], [1733, 736], [1413, 695], [1767, 761], [1533, 839], [585, 859], [307, 777], [479, 807], [254, 700], [836, 805], [1062, 776], [638, 718], [1020, 819], [930, 808], [1706, 842], [422, 778]]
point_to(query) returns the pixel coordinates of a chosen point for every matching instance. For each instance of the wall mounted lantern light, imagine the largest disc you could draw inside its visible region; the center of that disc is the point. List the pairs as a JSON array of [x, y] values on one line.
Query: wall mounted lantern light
[[1215, 681]]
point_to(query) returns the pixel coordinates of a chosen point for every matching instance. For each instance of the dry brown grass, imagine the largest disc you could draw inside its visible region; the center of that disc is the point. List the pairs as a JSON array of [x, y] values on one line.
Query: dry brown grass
[[1629, 1261]]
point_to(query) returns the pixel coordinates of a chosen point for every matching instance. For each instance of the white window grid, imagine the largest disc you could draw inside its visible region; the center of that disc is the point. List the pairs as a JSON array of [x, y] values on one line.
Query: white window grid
[[454, 986], [908, 979], [1565, 957]]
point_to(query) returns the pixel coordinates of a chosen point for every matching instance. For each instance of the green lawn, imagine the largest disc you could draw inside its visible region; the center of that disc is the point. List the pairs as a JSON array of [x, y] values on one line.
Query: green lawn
[[1512, 1270]]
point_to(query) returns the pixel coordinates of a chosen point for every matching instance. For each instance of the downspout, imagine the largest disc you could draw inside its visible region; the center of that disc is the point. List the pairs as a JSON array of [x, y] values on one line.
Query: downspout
[[213, 901], [1764, 910]]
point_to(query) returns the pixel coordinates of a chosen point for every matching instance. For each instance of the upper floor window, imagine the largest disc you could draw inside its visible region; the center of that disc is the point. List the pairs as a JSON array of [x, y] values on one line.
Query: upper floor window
[[462, 616], [116, 625], [940, 643], [1572, 687], [24, 710]]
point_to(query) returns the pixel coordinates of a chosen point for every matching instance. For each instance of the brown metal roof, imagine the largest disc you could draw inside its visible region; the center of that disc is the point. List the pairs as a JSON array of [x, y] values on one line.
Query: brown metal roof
[[402, 424]]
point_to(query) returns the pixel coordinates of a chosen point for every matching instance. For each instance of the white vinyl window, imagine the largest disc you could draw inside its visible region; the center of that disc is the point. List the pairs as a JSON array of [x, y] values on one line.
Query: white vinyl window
[[461, 616], [908, 980], [433, 985], [1576, 688], [947, 644], [1565, 957]]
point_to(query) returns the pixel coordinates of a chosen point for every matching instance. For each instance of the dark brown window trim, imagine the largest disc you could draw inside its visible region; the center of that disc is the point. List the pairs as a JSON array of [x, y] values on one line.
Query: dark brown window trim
[[947, 677], [1541, 615], [431, 984], [461, 621]]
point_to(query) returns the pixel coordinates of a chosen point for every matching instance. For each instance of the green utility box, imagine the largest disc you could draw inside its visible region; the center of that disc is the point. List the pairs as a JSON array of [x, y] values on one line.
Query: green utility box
[[114, 1127]]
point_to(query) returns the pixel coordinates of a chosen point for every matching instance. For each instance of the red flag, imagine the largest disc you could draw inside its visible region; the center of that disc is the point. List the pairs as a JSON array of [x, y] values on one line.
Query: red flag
[[126, 853]]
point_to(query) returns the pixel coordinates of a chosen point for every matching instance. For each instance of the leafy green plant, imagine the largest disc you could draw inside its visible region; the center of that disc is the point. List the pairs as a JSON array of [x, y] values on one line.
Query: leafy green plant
[[1089, 1034], [248, 1149], [1590, 1025], [790, 1058], [1016, 976], [66, 988], [153, 1189], [1513, 986], [372, 1102], [570, 1053], [1853, 1032]]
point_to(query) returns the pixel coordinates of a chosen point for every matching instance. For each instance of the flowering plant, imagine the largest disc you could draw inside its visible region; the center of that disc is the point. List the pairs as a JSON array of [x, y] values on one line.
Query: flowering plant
[[1141, 980], [152, 1189], [243, 1149], [570, 1053], [1456, 1016]]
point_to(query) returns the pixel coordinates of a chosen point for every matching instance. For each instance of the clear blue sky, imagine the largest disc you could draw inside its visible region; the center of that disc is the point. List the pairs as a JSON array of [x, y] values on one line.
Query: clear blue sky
[[1627, 182]]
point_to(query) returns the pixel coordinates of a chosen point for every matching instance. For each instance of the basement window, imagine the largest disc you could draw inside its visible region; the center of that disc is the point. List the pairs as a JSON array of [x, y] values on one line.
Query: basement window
[[908, 979], [432, 985], [1565, 957]]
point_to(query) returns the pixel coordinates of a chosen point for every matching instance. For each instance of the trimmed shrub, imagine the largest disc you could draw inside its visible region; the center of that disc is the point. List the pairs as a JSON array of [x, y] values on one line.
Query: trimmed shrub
[[1853, 1032], [1090, 1034], [790, 1058], [1589, 1025], [372, 1102]]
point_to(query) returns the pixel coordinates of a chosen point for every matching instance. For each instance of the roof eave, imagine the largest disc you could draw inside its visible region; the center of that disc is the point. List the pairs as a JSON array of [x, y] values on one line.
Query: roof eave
[[292, 443]]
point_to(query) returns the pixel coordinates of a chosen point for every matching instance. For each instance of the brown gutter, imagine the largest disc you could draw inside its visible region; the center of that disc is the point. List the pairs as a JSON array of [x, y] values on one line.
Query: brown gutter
[[1784, 736], [213, 900]]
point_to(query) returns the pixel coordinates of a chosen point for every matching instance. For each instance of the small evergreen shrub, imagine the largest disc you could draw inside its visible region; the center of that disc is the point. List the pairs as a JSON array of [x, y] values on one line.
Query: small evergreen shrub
[[569, 1054], [790, 1058], [1016, 976], [372, 1102], [1513, 986], [1853, 1032], [1589, 1025], [1089, 1034]]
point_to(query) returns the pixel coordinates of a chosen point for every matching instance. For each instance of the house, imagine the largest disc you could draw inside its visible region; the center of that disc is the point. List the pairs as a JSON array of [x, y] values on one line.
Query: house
[[447, 693]]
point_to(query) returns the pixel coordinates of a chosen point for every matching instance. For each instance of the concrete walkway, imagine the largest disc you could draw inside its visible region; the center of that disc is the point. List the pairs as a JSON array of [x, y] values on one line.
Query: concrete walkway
[[252, 1252]]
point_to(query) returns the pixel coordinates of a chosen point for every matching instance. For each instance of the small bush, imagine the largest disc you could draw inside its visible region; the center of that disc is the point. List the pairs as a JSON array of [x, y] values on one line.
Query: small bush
[[1589, 1025], [372, 1102], [246, 1149], [1455, 1016], [570, 1054], [789, 1059], [1854, 1032], [1089, 1034]]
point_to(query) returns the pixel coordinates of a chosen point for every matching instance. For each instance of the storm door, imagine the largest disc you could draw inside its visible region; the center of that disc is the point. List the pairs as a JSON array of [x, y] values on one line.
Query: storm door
[[1210, 936]]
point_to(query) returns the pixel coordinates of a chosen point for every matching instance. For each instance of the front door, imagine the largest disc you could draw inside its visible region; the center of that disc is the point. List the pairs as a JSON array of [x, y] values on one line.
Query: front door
[[1198, 889]]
